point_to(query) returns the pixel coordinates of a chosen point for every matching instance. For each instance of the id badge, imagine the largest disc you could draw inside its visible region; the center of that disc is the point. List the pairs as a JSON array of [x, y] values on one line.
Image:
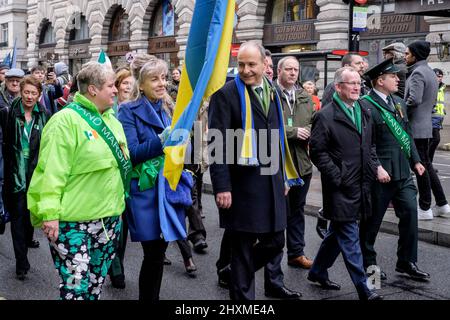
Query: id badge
[[290, 122]]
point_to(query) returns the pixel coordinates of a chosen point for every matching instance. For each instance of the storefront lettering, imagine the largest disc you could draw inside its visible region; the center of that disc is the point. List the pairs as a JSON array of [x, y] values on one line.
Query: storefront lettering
[[432, 2], [390, 24]]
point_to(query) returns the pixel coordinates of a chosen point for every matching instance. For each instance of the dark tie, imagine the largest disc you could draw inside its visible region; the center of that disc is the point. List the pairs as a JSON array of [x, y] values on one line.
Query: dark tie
[[259, 91], [390, 103], [291, 99]]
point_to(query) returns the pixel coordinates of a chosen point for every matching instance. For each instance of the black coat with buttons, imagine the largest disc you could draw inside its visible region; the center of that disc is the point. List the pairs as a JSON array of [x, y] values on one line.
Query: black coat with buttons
[[258, 201], [346, 160]]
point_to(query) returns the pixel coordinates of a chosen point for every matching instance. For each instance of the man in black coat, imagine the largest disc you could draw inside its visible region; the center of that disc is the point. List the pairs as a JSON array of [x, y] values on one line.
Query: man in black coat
[[341, 148], [251, 202], [397, 155]]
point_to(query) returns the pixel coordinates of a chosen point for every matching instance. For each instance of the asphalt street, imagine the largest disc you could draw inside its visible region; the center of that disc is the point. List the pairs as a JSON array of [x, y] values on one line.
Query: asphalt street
[[42, 281]]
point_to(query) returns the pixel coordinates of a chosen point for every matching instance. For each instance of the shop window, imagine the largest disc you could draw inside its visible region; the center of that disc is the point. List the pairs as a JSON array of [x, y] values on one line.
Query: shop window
[[120, 27], [163, 22], [47, 35], [293, 10], [385, 5], [80, 29], [4, 35]]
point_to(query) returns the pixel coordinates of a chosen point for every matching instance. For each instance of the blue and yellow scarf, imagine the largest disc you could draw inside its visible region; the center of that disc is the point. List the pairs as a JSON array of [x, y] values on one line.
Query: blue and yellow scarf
[[248, 155]]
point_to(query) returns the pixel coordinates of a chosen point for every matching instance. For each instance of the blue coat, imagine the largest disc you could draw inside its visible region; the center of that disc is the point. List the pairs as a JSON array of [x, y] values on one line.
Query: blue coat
[[142, 125]]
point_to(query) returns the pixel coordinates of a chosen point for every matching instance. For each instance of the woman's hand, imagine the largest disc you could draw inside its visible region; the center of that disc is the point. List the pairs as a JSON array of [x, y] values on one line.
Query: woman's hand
[[51, 229]]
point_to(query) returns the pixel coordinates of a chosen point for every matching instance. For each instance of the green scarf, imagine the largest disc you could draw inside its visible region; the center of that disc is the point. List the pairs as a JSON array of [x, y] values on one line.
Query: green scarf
[[356, 109], [396, 129], [147, 172]]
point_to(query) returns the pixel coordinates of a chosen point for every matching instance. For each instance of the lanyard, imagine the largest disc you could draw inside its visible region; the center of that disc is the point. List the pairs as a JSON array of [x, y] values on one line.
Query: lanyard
[[25, 132], [291, 107]]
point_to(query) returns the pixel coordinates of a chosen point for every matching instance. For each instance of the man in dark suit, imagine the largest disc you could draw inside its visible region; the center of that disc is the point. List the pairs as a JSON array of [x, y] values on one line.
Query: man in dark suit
[[397, 154], [341, 149], [252, 203]]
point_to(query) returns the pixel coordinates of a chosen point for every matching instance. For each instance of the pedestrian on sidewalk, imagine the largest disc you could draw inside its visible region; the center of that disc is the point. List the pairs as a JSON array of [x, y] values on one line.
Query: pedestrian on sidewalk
[[77, 192], [156, 213], [438, 114], [26, 120], [341, 149], [420, 95], [397, 155]]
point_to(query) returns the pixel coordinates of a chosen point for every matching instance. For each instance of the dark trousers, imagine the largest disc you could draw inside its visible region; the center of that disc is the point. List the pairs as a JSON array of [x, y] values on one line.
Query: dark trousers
[[152, 268], [342, 237], [225, 251], [434, 142], [295, 234], [21, 230], [117, 268], [185, 249], [429, 181], [403, 195], [249, 253]]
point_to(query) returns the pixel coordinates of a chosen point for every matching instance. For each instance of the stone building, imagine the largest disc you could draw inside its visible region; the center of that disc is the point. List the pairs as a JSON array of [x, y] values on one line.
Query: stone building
[[13, 23]]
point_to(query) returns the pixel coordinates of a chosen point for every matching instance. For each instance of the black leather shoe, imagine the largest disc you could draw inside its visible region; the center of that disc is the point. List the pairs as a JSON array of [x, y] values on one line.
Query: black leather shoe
[[325, 284], [200, 245], [372, 295], [412, 270], [33, 244], [190, 267], [224, 277], [118, 281], [283, 293]]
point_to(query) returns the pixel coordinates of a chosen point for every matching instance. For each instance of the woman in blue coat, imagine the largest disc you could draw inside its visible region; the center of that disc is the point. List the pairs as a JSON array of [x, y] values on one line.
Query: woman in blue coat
[[157, 214]]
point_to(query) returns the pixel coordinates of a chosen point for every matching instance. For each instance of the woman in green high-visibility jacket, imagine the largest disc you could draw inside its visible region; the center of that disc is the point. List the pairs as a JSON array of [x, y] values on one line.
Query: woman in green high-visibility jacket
[[77, 192]]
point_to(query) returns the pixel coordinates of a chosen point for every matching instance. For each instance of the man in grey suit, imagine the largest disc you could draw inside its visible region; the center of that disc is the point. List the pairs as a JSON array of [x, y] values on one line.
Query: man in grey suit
[[420, 96]]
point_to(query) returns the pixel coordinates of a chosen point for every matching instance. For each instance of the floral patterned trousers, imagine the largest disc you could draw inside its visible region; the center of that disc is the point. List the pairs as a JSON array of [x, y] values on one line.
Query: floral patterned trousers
[[83, 254]]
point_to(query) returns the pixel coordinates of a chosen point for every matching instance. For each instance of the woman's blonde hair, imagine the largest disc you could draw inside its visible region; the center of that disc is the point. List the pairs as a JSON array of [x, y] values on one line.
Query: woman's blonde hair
[[156, 67], [135, 67], [93, 73]]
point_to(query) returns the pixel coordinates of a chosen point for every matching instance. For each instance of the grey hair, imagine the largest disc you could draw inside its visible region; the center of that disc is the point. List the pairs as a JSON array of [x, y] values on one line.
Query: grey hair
[[254, 44], [338, 76], [93, 73], [156, 67], [284, 59]]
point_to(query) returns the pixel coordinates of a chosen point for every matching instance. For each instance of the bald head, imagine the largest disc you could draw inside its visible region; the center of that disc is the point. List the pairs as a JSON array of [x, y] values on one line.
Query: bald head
[[251, 63]]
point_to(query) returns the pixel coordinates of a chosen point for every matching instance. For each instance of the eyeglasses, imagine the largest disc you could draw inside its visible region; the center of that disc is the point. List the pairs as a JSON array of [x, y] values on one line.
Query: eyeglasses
[[353, 84]]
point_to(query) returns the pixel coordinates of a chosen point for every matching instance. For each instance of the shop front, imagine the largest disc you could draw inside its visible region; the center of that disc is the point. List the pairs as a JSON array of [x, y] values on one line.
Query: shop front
[[47, 45], [289, 28]]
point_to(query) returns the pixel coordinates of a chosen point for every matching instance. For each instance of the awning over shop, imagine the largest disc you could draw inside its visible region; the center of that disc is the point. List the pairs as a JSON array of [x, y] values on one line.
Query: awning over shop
[[423, 7]]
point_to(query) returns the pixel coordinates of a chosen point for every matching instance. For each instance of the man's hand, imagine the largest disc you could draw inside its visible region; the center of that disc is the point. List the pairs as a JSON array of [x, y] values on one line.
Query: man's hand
[[223, 200], [420, 169], [382, 175], [51, 229], [303, 134], [286, 190]]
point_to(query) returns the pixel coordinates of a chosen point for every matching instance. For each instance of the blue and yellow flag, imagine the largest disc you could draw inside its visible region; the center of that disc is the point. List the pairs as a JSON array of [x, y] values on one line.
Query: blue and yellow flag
[[204, 72]]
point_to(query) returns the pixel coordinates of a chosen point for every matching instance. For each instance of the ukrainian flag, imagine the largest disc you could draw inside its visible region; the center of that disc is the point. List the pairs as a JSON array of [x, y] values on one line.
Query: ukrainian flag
[[204, 72]]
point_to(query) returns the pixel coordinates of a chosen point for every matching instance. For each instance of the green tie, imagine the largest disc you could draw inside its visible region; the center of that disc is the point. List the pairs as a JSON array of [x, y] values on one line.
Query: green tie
[[260, 93], [352, 112]]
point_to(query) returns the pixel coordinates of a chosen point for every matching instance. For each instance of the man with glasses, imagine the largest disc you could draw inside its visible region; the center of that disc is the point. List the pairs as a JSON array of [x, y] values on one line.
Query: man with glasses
[[349, 60], [341, 148]]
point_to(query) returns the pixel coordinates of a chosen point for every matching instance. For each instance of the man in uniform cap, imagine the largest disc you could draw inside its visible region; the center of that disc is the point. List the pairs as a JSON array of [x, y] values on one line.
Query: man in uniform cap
[[420, 96], [397, 51], [397, 154]]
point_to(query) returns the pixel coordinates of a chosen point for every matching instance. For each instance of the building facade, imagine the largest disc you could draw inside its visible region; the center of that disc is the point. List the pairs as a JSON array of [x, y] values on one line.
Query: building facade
[[75, 31], [13, 23]]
